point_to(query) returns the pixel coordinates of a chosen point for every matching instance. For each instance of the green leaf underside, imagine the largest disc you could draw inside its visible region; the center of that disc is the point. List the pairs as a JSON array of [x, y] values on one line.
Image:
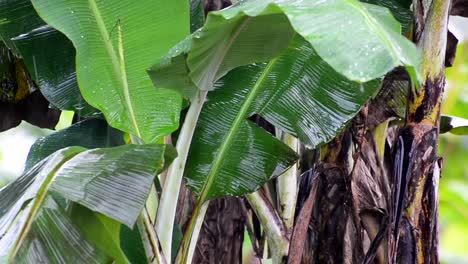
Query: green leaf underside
[[297, 92], [358, 40], [90, 133], [113, 181], [453, 125], [115, 42], [48, 55]]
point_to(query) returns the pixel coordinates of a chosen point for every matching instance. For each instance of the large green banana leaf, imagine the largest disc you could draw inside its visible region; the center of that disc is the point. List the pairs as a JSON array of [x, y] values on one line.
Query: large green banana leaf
[[116, 41], [48, 55], [359, 40], [112, 181], [90, 133]]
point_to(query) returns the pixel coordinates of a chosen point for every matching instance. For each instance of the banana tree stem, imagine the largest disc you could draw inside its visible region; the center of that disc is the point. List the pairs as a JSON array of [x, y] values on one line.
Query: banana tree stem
[[270, 221], [287, 186], [170, 194], [146, 227], [189, 243], [153, 240]]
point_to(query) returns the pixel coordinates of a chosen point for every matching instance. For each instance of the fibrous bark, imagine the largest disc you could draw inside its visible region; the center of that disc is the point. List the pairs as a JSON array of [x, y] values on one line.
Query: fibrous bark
[[222, 234]]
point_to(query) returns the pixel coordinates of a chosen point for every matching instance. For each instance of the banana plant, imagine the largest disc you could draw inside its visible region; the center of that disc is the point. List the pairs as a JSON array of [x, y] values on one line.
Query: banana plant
[[309, 69], [194, 66]]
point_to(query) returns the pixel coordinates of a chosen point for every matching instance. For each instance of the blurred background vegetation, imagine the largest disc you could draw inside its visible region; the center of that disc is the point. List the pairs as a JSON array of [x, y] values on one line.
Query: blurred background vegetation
[[454, 182], [15, 144]]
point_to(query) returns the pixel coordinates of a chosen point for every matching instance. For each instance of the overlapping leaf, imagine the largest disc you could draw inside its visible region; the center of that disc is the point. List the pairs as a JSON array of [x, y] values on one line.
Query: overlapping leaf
[[297, 92], [113, 181], [48, 55], [50, 58], [19, 208], [90, 133], [400, 10], [103, 231], [358, 40], [116, 40], [54, 239]]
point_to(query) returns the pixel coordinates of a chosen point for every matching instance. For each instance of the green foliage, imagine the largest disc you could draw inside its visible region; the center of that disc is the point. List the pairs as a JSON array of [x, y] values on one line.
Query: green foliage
[[307, 67], [400, 10], [18, 210], [112, 181], [297, 92], [102, 230], [453, 149], [256, 31], [90, 133], [115, 42]]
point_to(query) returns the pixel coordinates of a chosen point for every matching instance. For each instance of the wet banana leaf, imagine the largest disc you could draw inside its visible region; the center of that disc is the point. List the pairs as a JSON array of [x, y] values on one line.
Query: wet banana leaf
[[48, 55], [230, 155], [55, 239], [90, 133], [115, 42], [22, 199], [400, 10], [358, 40], [50, 59], [297, 92], [17, 17], [112, 181]]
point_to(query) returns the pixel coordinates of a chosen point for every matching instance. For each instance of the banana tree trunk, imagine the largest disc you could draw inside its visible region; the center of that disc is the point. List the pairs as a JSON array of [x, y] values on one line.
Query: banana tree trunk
[[377, 195], [222, 233], [418, 236]]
